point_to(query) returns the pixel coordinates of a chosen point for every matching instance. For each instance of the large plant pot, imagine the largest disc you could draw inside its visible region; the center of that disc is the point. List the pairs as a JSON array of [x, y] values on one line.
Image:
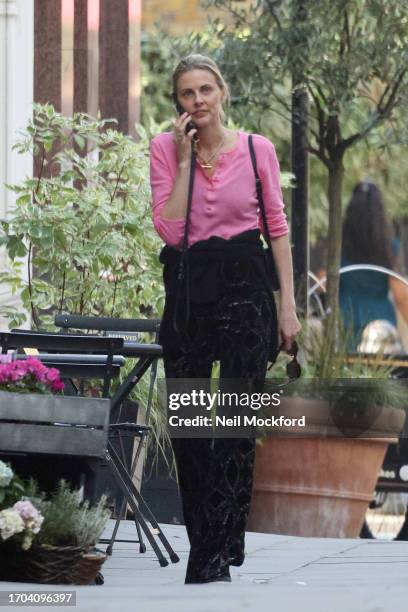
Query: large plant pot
[[319, 484]]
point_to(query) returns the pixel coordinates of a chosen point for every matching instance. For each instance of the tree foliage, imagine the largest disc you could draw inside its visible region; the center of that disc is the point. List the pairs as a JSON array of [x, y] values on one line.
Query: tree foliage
[[350, 56], [261, 100]]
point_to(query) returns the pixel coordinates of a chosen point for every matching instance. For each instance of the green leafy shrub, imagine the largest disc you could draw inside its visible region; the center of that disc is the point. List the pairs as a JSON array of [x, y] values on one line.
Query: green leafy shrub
[[11, 486], [81, 230]]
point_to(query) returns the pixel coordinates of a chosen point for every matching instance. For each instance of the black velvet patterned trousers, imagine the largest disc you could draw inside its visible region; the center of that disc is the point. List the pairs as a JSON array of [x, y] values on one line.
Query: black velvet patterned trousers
[[215, 475]]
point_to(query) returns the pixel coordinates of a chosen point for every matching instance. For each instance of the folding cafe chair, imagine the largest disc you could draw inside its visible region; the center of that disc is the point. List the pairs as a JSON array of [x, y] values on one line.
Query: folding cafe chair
[[147, 355]]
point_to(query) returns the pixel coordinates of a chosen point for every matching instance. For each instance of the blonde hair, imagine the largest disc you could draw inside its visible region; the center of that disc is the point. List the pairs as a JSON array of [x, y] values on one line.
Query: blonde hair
[[195, 61]]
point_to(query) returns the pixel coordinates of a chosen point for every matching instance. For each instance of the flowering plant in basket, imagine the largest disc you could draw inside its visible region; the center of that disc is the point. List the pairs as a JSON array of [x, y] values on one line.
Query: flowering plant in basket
[[19, 519], [44, 538], [50, 539], [29, 376]]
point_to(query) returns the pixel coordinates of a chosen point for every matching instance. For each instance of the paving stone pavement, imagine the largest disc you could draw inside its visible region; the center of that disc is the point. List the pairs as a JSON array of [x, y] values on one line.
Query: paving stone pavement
[[280, 574]]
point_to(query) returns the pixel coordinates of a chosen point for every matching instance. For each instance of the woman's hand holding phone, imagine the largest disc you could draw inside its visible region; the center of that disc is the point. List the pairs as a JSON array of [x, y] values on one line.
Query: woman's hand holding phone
[[184, 132]]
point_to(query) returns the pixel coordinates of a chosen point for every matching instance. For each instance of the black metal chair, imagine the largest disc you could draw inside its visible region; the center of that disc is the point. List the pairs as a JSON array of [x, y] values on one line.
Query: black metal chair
[[80, 367], [147, 356]]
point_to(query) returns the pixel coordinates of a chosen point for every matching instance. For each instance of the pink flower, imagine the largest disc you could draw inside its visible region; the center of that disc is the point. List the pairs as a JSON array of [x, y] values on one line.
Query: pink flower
[[34, 366], [32, 520], [26, 510], [28, 373], [6, 370], [53, 374], [16, 374], [57, 386]]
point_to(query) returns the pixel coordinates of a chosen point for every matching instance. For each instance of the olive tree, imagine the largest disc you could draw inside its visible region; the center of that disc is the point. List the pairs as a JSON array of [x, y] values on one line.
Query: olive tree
[[353, 58]]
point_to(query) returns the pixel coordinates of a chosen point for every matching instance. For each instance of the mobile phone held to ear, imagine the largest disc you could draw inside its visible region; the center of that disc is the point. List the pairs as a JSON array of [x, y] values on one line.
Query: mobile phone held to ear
[[190, 125]]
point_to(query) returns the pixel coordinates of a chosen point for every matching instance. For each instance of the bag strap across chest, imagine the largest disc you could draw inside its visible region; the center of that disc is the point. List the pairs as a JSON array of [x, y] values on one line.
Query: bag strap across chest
[[259, 190]]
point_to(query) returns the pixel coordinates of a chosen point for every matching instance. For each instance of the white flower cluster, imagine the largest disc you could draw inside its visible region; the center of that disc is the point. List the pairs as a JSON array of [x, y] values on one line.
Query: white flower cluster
[[10, 523], [22, 517], [6, 474]]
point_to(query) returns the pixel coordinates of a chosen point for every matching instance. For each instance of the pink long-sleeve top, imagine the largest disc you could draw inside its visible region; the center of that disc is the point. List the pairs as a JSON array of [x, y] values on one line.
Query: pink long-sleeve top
[[225, 204]]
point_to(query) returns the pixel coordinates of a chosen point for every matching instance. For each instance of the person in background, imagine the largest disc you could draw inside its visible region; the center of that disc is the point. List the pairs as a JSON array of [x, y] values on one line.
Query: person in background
[[367, 239]]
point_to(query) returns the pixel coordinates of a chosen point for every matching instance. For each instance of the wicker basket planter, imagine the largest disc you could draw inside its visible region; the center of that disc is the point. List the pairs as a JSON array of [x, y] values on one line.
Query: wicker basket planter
[[50, 564], [87, 570]]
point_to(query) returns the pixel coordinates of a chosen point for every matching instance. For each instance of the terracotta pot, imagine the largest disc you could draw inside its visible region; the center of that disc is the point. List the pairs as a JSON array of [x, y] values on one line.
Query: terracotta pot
[[319, 484]]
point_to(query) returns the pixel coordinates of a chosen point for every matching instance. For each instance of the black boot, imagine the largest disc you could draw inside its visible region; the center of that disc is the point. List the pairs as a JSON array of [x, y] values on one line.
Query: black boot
[[223, 575]]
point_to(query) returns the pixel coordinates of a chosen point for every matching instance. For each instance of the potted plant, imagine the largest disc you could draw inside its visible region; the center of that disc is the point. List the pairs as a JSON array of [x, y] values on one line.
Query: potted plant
[[49, 540], [318, 480]]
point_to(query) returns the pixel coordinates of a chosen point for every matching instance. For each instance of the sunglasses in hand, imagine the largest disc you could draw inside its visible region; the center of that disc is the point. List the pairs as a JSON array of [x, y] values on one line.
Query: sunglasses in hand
[[293, 369]]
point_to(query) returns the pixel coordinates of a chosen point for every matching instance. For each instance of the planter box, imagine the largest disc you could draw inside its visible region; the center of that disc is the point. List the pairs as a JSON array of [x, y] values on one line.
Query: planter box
[[320, 483], [53, 424]]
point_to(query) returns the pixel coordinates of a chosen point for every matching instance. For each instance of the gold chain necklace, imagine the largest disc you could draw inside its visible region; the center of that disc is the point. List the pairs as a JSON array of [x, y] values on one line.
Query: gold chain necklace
[[205, 164]]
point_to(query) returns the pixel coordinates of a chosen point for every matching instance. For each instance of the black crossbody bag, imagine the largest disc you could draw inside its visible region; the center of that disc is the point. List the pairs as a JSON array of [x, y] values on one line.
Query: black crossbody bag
[[268, 253]]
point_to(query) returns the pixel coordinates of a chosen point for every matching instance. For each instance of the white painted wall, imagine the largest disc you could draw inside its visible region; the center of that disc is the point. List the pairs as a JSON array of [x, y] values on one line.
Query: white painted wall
[[16, 99]]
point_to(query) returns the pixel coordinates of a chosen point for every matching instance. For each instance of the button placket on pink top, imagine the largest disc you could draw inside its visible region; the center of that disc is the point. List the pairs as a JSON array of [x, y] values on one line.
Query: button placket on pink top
[[209, 195], [210, 198], [212, 181]]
